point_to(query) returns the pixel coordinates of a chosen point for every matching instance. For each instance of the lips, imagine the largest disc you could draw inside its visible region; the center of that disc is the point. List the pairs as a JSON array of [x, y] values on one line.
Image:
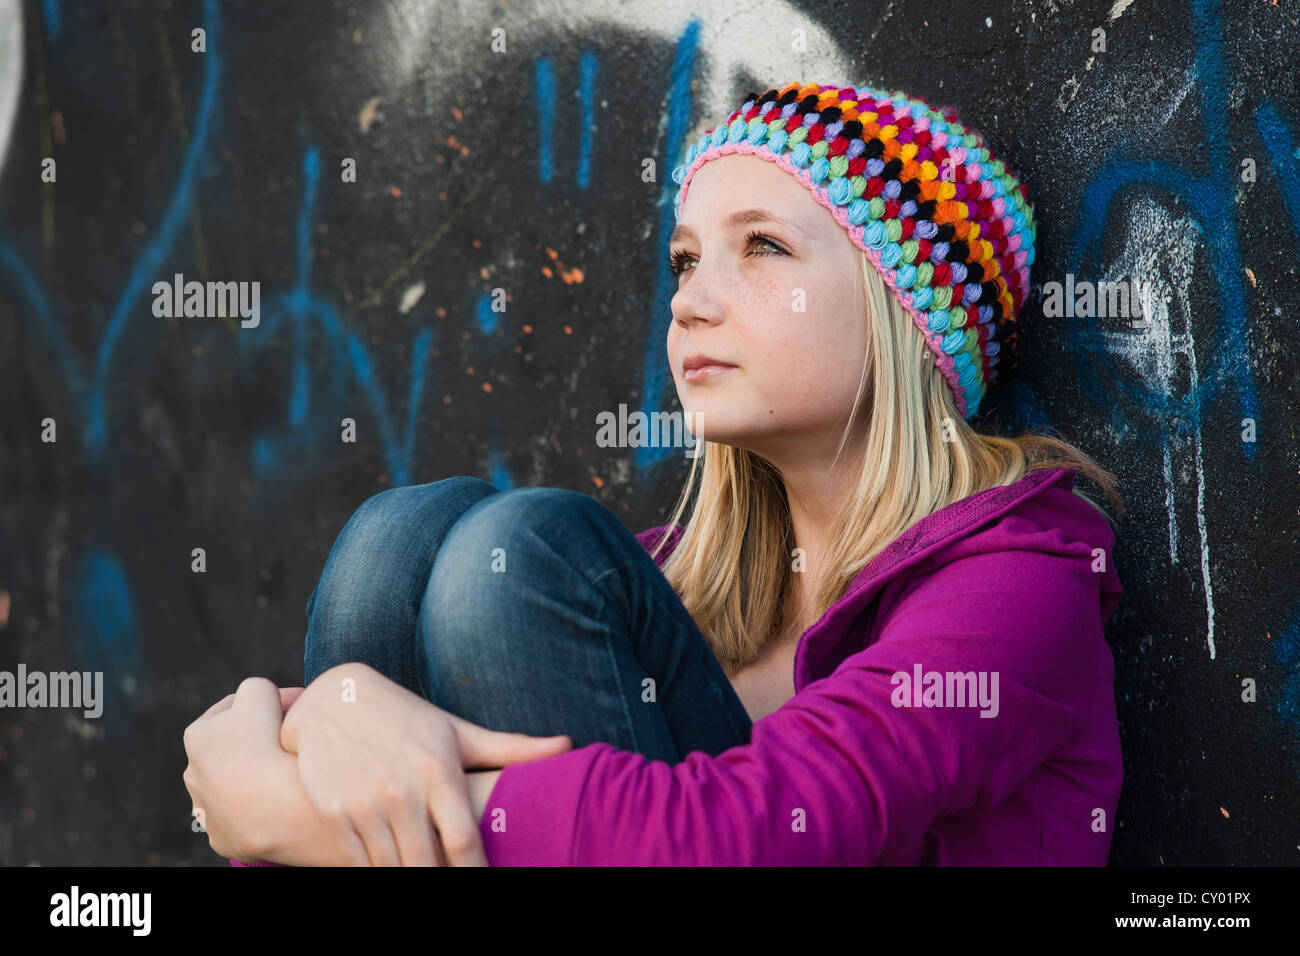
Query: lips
[[699, 360], [702, 372]]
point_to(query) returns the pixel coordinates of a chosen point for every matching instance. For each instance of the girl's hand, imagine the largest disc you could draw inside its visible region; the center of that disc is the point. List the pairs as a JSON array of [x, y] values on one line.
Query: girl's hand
[[236, 766], [385, 769]]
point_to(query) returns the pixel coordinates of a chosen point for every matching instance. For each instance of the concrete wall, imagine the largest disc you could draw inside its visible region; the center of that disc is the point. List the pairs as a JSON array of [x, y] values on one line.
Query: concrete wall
[[521, 171]]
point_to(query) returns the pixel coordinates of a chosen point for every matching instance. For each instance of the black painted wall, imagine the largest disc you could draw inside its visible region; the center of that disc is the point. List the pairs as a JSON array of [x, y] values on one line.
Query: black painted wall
[[521, 170]]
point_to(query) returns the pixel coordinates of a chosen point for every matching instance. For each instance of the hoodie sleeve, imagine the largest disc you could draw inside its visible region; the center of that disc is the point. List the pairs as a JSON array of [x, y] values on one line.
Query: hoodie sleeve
[[843, 773]]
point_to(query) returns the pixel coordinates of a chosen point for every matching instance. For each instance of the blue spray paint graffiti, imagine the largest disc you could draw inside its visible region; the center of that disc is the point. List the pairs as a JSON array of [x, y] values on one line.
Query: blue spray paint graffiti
[[147, 266], [1276, 134], [680, 107], [273, 451], [486, 315], [544, 90], [151, 260], [106, 626], [53, 21], [498, 474], [586, 96], [106, 621], [105, 617], [268, 452]]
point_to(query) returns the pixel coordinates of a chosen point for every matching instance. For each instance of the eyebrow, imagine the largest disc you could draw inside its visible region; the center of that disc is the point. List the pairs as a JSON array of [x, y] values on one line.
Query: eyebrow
[[744, 217]]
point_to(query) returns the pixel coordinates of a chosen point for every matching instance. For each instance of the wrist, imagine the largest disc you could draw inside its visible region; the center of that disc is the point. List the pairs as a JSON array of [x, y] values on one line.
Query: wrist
[[287, 829], [263, 837], [291, 725]]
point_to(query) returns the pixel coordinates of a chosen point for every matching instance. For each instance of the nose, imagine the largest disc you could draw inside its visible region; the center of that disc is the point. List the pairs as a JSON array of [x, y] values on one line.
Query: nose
[[697, 298]]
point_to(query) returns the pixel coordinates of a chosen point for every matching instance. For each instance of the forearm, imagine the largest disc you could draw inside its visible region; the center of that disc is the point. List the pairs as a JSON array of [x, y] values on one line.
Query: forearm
[[294, 835], [288, 829]]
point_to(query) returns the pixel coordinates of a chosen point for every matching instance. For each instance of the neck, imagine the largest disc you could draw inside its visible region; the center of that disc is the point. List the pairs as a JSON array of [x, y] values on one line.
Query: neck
[[816, 493], [817, 487]]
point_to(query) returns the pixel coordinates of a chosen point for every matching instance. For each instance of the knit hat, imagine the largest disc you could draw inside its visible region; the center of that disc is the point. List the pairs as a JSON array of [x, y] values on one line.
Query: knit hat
[[955, 247]]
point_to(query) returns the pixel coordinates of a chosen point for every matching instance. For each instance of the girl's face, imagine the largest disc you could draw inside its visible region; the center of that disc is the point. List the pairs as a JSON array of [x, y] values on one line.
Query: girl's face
[[775, 294]]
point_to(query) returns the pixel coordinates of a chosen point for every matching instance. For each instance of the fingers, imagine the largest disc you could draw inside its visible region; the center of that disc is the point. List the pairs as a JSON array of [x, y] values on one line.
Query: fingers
[[253, 687], [346, 837], [413, 827], [288, 695], [377, 835], [417, 841], [480, 747], [260, 697], [224, 704], [398, 828], [458, 828]]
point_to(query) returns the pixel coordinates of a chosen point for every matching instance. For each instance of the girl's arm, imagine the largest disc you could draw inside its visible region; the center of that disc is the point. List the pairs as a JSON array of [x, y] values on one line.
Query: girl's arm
[[292, 833], [245, 786], [248, 791], [386, 769], [849, 773], [297, 837]]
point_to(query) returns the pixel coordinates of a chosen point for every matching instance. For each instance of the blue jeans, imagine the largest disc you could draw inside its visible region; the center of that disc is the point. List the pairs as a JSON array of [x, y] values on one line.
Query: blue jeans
[[532, 610]]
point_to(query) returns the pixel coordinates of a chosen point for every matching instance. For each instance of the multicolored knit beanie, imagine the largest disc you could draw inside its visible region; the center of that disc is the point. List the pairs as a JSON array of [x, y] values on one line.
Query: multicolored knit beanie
[[948, 227]]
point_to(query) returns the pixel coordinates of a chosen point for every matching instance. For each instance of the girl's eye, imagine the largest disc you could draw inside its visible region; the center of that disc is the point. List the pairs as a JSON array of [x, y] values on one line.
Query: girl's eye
[[677, 262], [754, 237], [677, 259]]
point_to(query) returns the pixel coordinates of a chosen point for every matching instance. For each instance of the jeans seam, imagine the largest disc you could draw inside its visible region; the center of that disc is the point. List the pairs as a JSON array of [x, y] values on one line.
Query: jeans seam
[[613, 660]]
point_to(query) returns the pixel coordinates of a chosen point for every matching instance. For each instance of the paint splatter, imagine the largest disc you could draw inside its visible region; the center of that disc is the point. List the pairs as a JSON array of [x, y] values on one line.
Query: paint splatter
[[367, 115], [570, 276], [411, 296]]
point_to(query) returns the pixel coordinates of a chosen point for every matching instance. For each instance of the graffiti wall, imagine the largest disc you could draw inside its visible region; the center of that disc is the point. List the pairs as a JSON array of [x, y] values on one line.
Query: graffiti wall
[[436, 237]]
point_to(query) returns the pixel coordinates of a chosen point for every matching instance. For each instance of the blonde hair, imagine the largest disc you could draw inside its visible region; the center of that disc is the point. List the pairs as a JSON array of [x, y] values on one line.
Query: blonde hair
[[732, 567]]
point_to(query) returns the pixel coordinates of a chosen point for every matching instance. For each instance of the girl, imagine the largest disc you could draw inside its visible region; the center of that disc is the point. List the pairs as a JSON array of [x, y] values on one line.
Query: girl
[[877, 638]]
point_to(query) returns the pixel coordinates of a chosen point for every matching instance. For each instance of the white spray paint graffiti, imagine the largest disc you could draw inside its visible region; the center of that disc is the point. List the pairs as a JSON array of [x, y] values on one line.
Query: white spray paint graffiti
[[11, 69], [727, 49], [1161, 248]]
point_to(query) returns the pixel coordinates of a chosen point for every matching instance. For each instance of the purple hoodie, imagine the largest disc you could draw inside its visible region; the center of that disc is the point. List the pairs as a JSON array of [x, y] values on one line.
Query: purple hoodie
[[886, 755]]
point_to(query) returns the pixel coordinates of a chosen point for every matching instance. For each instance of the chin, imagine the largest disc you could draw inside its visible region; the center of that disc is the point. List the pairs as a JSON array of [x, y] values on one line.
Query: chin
[[719, 432], [720, 417]]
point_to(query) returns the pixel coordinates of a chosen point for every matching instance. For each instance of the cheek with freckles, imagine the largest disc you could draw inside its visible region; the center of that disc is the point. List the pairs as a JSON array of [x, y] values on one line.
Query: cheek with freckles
[[807, 365]]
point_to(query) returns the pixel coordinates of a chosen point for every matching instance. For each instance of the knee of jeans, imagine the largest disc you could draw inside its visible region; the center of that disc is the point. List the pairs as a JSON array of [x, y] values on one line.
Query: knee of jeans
[[388, 513], [524, 515], [483, 544], [545, 509], [381, 520], [391, 507], [376, 521]]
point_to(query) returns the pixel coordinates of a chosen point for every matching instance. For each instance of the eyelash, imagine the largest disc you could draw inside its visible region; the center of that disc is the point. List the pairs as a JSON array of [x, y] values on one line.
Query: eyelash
[[677, 259]]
